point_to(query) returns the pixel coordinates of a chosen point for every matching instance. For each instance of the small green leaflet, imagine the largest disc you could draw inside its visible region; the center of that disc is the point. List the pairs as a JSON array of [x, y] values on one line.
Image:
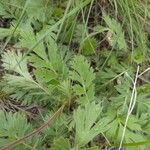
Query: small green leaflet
[[19, 80], [88, 46], [4, 33], [40, 10], [115, 35], [61, 144], [13, 61], [88, 123], [82, 74], [57, 128], [12, 126], [133, 130]]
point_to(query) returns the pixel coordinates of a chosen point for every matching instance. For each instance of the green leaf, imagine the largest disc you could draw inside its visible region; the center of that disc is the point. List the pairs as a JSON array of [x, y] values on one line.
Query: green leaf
[[138, 56], [13, 127], [4, 33], [2, 10], [61, 143], [57, 128], [88, 46], [133, 130], [82, 74], [16, 62], [11, 8], [115, 35], [28, 39], [45, 76], [40, 10], [88, 123], [50, 60], [65, 89], [19, 80]]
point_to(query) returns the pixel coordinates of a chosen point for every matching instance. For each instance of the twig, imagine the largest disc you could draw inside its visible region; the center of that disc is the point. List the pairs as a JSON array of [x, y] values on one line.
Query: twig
[[45, 124]]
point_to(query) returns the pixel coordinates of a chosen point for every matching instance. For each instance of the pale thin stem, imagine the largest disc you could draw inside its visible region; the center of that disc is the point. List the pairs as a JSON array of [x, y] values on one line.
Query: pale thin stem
[[131, 107], [143, 72]]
